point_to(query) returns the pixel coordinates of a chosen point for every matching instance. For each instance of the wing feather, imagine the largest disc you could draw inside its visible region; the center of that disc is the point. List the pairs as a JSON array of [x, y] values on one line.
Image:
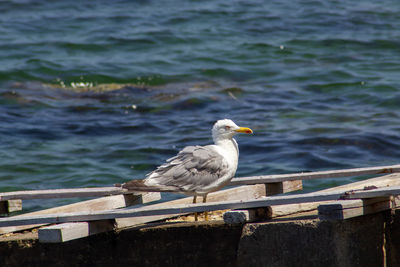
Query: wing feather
[[193, 168]]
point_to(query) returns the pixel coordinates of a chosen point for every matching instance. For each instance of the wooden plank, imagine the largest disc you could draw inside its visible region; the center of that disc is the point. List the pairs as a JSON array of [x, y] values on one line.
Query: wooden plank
[[14, 205], [283, 187], [9, 206], [265, 179], [345, 209], [374, 193], [284, 210], [104, 203], [64, 193], [69, 231], [286, 186]]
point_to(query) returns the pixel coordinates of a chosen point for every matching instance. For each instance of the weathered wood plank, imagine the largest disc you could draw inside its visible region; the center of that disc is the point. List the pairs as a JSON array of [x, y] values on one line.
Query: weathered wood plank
[[345, 209], [283, 187], [264, 179], [374, 193], [284, 210], [104, 203], [9, 206], [69, 231], [64, 193]]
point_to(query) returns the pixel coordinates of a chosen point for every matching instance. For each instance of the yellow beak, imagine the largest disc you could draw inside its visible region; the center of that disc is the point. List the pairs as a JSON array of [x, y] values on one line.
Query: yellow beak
[[244, 130]]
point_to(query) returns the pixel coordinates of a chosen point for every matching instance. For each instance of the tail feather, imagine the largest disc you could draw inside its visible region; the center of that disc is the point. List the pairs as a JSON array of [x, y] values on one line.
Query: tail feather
[[139, 185]]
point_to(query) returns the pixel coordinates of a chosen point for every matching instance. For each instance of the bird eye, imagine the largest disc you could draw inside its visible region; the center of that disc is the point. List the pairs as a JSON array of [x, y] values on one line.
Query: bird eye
[[227, 127]]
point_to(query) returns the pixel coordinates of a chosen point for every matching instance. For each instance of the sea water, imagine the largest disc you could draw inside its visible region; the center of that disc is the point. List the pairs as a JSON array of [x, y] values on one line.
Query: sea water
[[101, 92]]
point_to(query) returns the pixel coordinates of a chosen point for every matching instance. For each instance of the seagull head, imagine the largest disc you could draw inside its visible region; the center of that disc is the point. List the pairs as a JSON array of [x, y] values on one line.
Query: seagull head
[[226, 129]]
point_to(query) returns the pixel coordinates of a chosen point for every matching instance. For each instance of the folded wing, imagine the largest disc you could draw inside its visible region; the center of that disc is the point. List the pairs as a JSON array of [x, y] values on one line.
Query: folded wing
[[193, 169]]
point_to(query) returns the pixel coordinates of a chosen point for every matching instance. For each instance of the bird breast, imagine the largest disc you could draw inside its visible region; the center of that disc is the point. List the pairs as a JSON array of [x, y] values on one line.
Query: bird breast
[[230, 151]]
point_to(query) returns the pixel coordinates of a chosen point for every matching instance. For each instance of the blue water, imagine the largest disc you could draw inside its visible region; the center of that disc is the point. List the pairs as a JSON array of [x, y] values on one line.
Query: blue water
[[97, 93]]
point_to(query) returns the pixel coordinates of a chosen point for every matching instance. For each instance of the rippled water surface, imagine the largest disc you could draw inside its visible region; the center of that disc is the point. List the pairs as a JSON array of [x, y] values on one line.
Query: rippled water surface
[[93, 94]]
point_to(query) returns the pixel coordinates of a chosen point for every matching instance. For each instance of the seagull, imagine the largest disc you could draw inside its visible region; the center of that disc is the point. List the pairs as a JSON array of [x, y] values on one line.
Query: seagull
[[197, 170]]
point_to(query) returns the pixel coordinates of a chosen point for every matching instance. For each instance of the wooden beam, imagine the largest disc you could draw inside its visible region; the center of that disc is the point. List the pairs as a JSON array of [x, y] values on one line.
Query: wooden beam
[[104, 203], [64, 193], [69, 231], [283, 187], [264, 179], [372, 193], [284, 210], [345, 209], [9, 206]]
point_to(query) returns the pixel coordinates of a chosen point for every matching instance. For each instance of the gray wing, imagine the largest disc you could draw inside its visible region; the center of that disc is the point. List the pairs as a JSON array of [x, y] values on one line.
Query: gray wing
[[194, 168]]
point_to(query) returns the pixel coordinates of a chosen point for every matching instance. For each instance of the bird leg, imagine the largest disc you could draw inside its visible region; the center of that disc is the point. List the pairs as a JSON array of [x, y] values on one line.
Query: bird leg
[[206, 212], [194, 202]]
